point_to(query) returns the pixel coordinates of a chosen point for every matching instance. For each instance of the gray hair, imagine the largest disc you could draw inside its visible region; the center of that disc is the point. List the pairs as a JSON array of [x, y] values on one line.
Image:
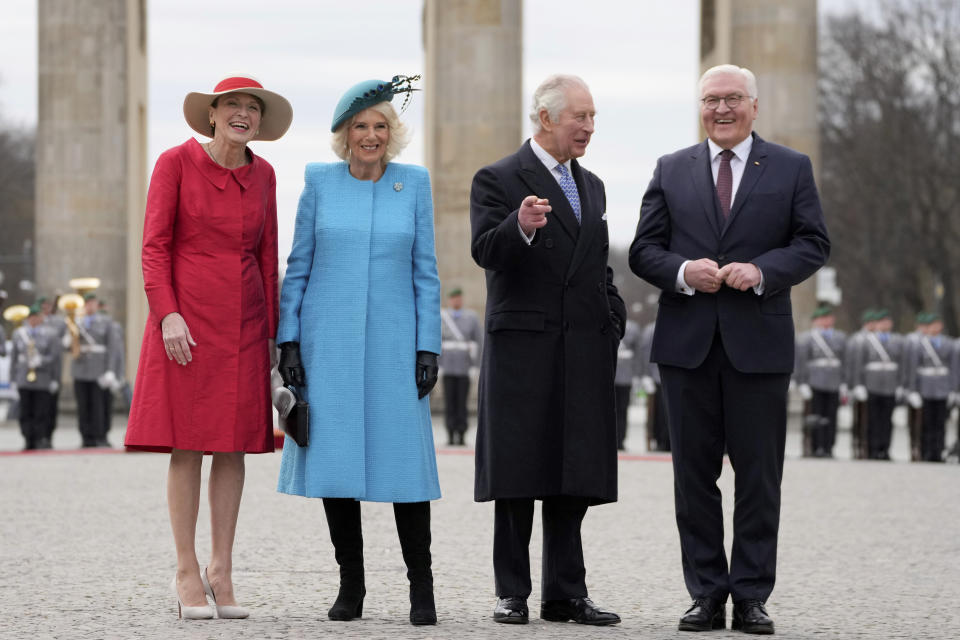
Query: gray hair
[[399, 134], [551, 96], [732, 69]]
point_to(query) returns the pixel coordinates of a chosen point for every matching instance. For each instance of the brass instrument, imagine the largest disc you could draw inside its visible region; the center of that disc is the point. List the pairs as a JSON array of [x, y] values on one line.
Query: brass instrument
[[84, 286], [71, 304], [16, 314]]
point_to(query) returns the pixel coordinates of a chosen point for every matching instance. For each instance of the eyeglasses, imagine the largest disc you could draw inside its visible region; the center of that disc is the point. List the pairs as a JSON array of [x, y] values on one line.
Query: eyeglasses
[[732, 101]]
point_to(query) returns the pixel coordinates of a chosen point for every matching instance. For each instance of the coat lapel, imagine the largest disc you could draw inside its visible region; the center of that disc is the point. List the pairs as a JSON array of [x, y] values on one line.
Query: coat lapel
[[703, 184], [756, 164], [589, 218], [544, 185]]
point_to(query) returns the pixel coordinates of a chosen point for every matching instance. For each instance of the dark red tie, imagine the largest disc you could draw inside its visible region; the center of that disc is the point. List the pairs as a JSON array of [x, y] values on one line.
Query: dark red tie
[[725, 182]]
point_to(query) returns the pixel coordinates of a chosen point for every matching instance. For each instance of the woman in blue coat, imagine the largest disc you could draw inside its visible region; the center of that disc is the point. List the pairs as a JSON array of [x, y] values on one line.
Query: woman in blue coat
[[360, 332]]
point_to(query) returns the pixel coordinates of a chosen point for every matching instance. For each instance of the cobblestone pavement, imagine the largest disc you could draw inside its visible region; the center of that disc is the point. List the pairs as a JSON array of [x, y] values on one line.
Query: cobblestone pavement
[[867, 550]]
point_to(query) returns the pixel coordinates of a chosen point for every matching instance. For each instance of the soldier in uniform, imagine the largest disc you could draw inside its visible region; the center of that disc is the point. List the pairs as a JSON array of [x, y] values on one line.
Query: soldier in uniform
[[31, 369], [658, 435], [58, 326], [460, 352], [930, 375], [818, 373], [858, 396], [877, 380], [117, 365], [628, 361], [92, 373]]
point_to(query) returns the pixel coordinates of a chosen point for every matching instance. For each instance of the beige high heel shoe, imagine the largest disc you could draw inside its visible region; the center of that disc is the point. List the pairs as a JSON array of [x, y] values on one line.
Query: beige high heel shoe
[[231, 611], [190, 613]]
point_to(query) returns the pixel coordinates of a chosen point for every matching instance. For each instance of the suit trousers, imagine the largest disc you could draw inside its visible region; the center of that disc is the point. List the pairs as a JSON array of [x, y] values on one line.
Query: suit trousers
[[35, 409], [933, 438], [622, 397], [563, 573], [455, 392], [711, 408], [90, 411], [879, 425]]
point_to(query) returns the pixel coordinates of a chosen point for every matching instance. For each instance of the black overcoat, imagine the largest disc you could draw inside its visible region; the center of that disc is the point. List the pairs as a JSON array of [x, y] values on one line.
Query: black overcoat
[[546, 399]]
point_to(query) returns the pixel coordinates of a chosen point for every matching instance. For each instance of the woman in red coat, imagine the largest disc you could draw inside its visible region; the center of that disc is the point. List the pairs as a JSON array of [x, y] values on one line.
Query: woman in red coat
[[210, 274]]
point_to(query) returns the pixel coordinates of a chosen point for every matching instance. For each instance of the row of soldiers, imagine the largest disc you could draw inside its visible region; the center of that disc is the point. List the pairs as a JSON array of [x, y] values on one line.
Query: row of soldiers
[[36, 368], [877, 369]]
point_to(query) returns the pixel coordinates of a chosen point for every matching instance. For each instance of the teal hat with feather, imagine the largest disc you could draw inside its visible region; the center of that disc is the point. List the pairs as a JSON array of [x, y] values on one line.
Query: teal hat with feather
[[364, 95]]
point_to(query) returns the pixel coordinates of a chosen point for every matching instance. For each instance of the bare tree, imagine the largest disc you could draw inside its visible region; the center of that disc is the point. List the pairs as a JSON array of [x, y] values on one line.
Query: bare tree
[[17, 178], [890, 130]]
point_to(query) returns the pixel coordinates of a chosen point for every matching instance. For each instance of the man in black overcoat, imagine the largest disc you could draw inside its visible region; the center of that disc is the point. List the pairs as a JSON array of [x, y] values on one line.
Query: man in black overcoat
[[546, 422], [726, 228]]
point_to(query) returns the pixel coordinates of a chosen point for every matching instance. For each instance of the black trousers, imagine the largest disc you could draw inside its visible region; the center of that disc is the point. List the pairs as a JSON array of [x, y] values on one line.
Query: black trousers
[[879, 425], [90, 411], [621, 394], [54, 412], [824, 405], [35, 409], [563, 573], [455, 392], [107, 410], [934, 431], [710, 408], [661, 432]]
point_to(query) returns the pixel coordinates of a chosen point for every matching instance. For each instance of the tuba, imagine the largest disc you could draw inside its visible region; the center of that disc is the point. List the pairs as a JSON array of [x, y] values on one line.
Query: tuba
[[15, 315], [72, 304]]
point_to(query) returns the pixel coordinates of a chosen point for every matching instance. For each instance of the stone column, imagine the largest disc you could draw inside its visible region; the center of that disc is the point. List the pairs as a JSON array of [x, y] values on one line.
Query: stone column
[[472, 116], [778, 42], [91, 151]]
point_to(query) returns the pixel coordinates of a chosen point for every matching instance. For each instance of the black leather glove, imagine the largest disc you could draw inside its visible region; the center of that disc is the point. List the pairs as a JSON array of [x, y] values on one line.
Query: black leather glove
[[290, 367], [618, 328], [426, 372]]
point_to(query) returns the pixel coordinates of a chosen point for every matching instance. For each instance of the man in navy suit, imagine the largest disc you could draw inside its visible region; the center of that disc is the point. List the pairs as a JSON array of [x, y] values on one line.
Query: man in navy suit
[[726, 228], [546, 422]]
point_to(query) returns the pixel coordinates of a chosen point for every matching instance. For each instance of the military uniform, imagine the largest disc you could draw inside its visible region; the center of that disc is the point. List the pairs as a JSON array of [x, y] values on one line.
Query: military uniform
[[58, 326], [118, 365], [658, 435], [460, 352], [930, 375], [628, 367], [819, 374], [92, 375], [32, 368], [876, 369]]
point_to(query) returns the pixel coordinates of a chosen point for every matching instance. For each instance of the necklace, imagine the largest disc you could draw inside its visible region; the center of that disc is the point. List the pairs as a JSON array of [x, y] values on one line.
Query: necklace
[[208, 148]]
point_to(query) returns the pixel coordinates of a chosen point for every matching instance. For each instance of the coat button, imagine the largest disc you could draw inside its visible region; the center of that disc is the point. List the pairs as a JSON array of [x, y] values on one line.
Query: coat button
[[606, 245], [549, 243], [600, 287], [566, 326], [722, 256], [603, 329]]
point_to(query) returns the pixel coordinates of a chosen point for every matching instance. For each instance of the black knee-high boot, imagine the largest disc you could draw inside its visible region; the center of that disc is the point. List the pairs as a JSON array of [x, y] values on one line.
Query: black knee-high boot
[[413, 527], [343, 518]]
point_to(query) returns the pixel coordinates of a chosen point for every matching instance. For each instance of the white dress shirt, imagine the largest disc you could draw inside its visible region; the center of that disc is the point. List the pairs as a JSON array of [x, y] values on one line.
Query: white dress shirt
[[738, 163]]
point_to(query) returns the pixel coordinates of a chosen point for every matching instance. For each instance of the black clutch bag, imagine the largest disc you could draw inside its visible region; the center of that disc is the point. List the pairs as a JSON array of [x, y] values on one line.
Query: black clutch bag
[[297, 423]]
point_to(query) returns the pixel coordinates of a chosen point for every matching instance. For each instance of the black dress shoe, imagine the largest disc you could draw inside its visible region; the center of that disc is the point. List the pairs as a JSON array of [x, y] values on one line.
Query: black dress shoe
[[749, 616], [580, 610], [511, 610], [704, 614]]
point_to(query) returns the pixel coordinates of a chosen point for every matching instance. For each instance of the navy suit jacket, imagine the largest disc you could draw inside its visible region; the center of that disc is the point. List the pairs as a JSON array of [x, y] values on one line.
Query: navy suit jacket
[[776, 223]]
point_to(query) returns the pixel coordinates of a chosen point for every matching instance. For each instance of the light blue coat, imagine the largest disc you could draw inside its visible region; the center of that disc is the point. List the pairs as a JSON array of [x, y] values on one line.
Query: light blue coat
[[361, 295]]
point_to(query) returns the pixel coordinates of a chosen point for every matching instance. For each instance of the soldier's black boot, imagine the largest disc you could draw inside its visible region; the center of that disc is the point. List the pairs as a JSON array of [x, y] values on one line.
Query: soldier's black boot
[[413, 528], [343, 519]]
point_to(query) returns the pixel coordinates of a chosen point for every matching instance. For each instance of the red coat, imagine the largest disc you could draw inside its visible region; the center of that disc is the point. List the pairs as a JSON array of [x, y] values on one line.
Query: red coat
[[209, 253]]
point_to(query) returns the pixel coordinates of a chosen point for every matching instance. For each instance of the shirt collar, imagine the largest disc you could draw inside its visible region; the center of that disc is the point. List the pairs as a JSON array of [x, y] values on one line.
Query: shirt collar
[[548, 160], [741, 150]]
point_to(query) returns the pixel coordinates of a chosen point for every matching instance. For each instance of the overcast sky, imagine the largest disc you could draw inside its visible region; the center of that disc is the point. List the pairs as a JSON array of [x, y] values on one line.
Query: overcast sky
[[640, 59]]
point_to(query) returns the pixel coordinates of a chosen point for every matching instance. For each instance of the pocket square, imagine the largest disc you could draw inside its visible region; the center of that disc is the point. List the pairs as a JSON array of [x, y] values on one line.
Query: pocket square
[[604, 216]]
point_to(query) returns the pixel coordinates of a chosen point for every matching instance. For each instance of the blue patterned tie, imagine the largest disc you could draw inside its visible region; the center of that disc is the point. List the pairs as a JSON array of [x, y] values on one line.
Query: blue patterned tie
[[569, 189]]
